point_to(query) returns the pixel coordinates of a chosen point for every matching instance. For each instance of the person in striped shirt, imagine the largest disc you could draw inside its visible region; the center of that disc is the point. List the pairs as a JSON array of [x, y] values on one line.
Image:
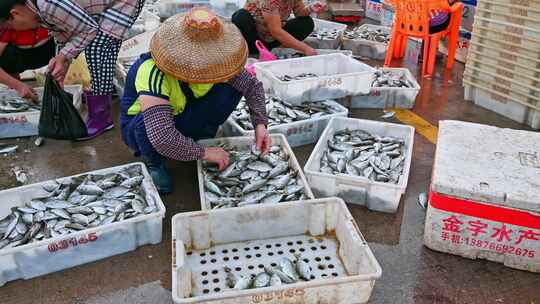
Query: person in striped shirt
[[96, 27]]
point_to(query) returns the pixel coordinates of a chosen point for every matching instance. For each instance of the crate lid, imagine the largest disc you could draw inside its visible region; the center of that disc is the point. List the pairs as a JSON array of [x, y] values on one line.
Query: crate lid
[[488, 164]]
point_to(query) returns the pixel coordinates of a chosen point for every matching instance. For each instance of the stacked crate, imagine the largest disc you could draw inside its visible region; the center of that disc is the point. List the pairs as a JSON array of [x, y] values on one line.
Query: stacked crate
[[503, 65]]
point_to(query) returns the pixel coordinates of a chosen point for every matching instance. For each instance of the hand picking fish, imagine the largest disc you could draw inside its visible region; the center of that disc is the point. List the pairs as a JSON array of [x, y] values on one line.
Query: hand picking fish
[[251, 179], [391, 79], [282, 112], [297, 77], [359, 153], [364, 33], [10, 102], [79, 203], [285, 272]]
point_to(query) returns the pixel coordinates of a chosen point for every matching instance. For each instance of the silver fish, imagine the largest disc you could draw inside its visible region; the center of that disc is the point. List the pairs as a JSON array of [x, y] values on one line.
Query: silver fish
[[261, 280], [275, 280], [303, 268], [288, 268]]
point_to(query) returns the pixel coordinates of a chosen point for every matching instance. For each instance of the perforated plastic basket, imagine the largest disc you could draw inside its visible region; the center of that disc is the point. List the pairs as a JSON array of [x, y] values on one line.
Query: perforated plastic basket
[[246, 240]]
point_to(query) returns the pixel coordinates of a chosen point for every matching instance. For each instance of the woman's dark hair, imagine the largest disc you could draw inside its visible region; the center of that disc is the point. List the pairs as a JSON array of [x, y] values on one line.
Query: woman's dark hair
[[6, 6]]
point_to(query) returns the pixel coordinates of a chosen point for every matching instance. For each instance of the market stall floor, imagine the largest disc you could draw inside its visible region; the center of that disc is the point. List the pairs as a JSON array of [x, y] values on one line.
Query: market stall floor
[[412, 273]]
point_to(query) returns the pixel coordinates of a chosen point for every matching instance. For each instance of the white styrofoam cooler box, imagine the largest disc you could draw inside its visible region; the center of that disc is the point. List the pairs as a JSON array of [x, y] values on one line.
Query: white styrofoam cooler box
[[242, 143], [381, 98], [298, 133], [92, 244], [338, 76], [511, 109], [377, 196], [485, 194], [244, 239], [326, 25], [26, 123], [368, 48]]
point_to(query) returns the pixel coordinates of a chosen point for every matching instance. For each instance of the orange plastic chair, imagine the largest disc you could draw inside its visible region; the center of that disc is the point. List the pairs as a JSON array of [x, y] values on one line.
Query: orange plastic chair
[[412, 20]]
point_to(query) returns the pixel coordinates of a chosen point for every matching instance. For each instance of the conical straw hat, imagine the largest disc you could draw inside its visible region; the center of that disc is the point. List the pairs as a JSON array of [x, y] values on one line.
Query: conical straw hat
[[198, 47]]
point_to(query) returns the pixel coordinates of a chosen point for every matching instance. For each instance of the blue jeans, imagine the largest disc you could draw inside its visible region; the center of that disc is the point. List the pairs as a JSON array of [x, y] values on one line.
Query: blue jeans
[[200, 119]]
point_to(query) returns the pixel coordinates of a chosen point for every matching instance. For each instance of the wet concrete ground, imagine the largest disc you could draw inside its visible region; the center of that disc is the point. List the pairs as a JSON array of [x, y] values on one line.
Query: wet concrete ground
[[411, 272]]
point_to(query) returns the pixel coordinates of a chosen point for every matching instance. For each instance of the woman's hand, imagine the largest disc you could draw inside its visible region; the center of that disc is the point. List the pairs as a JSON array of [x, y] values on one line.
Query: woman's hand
[[58, 67], [216, 156], [262, 139], [309, 51], [25, 91]]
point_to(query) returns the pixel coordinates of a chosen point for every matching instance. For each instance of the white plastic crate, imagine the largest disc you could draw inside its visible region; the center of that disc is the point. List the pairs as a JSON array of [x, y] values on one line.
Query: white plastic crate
[[485, 200], [288, 51], [505, 107], [134, 47], [147, 21], [26, 123], [381, 98], [92, 244], [244, 143], [338, 76], [377, 196], [244, 239], [298, 133], [326, 25], [367, 48]]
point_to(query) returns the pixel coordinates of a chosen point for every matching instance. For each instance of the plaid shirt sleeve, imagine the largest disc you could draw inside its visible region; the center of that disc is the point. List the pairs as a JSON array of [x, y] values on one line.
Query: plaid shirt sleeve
[[68, 17], [253, 90], [166, 139]]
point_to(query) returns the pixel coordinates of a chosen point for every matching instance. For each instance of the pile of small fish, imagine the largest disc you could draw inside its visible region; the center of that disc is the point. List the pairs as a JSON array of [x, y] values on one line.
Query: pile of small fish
[[10, 102], [359, 153], [71, 205], [251, 179], [391, 79], [287, 272], [281, 112], [325, 34], [290, 55], [377, 35], [297, 77]]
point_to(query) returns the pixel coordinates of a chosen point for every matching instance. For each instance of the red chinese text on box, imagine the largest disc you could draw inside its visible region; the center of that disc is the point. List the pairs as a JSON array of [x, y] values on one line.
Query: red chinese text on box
[[72, 242]]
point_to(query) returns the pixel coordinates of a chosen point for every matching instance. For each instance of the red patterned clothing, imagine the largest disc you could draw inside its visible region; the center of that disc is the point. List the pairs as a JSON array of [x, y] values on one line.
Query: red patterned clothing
[[283, 8]]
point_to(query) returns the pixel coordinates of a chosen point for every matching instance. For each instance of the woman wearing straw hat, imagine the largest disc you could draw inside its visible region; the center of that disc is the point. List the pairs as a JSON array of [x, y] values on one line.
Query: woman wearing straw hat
[[184, 89], [268, 21]]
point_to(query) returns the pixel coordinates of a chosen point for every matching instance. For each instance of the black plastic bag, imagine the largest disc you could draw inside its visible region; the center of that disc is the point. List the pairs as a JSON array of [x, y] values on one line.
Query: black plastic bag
[[59, 119]]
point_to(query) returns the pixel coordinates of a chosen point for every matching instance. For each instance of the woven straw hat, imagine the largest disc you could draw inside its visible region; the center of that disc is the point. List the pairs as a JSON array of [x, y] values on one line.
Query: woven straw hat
[[198, 47]]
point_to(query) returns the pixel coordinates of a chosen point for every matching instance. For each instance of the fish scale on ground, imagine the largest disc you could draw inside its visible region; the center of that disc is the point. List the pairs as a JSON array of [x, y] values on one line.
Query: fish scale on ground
[[359, 153], [252, 178], [281, 112], [76, 205]]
